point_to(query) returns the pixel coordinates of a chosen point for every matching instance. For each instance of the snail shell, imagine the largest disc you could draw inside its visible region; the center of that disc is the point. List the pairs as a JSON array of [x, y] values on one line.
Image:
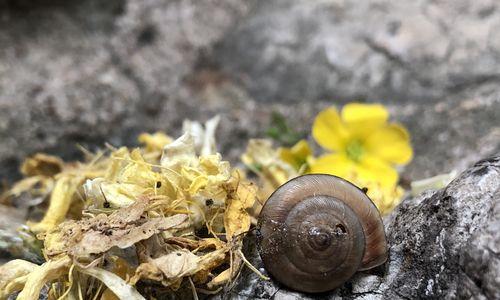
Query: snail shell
[[317, 230]]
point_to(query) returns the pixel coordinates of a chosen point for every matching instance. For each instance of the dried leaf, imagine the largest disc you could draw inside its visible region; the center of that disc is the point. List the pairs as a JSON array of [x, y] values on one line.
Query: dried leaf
[[119, 287], [177, 264], [99, 241], [171, 268], [123, 228]]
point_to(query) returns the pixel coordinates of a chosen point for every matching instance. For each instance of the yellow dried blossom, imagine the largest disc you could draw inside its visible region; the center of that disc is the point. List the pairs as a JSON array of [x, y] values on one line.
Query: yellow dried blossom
[[154, 198]]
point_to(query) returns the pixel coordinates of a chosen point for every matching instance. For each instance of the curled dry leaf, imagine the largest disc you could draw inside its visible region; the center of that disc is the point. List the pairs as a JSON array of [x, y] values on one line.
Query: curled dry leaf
[[122, 228], [220, 279], [99, 241], [171, 268]]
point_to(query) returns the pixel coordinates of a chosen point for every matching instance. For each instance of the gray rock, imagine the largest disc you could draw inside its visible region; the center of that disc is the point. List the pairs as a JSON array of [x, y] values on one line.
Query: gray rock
[[91, 72], [443, 245], [345, 49], [75, 72]]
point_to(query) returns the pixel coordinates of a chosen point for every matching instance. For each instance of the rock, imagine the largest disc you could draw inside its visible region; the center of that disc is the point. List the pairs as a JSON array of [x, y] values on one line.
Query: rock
[[343, 49], [11, 245], [88, 72], [92, 72], [443, 245]]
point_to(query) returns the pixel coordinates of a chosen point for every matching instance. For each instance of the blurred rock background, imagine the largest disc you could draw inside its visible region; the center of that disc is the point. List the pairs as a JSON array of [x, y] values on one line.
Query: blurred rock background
[[93, 71]]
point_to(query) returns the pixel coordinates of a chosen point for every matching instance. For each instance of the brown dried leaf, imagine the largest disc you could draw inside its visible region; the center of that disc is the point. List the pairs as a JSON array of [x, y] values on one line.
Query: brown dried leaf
[[99, 241], [122, 228], [171, 268]]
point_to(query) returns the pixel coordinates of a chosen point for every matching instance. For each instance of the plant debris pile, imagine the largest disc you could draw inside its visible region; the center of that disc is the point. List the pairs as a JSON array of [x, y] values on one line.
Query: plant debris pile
[[134, 223]]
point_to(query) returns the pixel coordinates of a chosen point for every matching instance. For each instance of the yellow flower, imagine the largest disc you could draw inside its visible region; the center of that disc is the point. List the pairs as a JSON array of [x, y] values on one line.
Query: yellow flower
[[363, 144], [297, 156]]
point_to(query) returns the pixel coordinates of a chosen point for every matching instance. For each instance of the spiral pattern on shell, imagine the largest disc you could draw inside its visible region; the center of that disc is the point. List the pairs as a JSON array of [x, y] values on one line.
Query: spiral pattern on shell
[[317, 230]]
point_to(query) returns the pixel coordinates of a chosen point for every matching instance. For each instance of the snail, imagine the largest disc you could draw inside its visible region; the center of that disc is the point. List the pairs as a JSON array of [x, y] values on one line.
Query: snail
[[317, 230]]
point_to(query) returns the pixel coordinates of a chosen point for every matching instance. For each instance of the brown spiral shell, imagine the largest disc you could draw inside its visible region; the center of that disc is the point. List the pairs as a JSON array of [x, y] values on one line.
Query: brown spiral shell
[[317, 230]]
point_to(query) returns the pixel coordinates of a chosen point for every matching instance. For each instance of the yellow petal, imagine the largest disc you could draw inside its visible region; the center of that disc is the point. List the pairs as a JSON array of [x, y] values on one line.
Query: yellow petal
[[372, 168], [362, 119], [297, 155], [334, 164], [353, 113], [391, 143], [328, 130]]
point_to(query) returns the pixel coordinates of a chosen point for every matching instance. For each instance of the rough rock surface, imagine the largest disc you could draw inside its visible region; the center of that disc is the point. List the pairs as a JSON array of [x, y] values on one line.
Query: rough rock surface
[[443, 245], [102, 71]]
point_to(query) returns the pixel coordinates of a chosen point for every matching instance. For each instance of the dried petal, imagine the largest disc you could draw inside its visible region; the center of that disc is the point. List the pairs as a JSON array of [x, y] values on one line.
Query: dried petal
[[60, 200], [50, 270], [154, 142], [204, 138], [42, 164], [220, 279], [171, 268], [236, 218], [119, 287], [11, 271]]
